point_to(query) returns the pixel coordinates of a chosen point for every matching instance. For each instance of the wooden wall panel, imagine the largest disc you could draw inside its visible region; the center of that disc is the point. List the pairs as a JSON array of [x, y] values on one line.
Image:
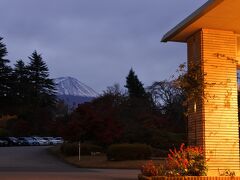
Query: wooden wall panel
[[195, 124], [218, 113], [190, 178]]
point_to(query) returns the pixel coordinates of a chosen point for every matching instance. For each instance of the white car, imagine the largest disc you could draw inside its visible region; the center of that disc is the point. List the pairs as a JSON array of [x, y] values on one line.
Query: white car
[[51, 140], [40, 140], [59, 140]]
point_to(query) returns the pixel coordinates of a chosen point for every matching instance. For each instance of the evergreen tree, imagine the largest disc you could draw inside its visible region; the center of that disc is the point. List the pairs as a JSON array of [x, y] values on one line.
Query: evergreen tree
[[42, 87], [5, 78], [20, 90], [134, 86]]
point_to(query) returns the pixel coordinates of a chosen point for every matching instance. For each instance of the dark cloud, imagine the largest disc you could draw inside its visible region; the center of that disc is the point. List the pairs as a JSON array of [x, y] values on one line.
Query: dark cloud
[[97, 41]]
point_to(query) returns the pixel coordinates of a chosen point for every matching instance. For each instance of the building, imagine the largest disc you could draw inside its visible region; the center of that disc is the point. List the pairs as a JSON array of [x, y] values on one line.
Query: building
[[212, 34]]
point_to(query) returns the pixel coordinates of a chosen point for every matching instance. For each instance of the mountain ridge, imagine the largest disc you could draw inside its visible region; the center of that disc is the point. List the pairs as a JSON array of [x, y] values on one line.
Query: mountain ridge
[[73, 92], [72, 86]]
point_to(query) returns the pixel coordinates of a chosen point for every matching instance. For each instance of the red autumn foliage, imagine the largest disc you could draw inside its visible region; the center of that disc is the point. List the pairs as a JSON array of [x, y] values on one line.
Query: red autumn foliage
[[149, 169], [187, 161], [94, 121]]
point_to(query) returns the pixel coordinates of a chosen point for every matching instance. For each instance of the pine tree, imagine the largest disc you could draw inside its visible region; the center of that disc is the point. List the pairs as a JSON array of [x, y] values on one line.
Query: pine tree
[[21, 82], [42, 87], [5, 77], [134, 86]]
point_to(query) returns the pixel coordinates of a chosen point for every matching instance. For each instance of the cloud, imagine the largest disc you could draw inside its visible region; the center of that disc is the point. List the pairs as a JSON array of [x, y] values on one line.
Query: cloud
[[97, 41]]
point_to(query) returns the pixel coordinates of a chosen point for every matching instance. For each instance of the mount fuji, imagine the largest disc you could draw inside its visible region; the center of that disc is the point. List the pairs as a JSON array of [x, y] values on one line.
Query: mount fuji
[[73, 92]]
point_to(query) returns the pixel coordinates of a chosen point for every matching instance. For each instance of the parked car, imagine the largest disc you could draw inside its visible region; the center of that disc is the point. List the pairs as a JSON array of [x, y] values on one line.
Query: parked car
[[51, 140], [12, 141], [27, 141], [40, 140], [3, 142], [59, 140]]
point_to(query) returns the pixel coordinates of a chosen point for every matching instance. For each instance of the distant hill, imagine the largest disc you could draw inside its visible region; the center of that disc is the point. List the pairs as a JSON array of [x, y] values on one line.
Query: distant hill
[[73, 92]]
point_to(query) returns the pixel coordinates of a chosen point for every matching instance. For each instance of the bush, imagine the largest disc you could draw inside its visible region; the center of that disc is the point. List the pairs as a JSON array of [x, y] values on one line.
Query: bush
[[87, 149], [187, 161], [120, 152], [149, 169], [166, 140], [69, 149], [72, 149]]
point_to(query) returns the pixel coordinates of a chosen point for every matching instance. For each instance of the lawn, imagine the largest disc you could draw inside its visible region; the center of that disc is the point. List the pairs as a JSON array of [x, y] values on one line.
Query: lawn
[[100, 161]]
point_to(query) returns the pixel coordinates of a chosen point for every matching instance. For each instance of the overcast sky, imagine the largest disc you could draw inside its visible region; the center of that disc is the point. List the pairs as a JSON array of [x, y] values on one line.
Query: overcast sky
[[97, 41]]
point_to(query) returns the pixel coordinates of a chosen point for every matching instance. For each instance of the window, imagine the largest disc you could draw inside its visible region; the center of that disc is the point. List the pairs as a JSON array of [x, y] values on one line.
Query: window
[[238, 46]]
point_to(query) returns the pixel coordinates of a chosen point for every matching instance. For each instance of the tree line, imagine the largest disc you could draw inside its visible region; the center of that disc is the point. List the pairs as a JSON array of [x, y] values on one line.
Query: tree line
[[25, 90], [28, 106], [153, 115]]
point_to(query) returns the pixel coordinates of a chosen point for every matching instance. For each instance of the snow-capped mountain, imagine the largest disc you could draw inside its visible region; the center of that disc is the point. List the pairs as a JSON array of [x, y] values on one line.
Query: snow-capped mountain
[[73, 87], [73, 92]]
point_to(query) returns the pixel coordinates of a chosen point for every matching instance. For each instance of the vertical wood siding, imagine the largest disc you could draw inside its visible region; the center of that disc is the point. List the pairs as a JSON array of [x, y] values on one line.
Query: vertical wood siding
[[215, 123], [195, 120], [194, 178]]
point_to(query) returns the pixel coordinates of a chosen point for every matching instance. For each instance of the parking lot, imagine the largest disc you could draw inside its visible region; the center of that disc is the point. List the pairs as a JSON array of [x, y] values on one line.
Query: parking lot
[[35, 163], [30, 141], [30, 158]]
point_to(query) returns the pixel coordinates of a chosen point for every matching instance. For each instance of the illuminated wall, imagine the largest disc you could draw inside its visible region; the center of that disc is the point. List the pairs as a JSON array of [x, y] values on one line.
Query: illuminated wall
[[213, 119]]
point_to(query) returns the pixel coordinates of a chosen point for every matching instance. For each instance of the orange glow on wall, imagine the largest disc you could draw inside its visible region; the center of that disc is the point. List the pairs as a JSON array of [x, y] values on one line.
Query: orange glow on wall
[[212, 35], [215, 124]]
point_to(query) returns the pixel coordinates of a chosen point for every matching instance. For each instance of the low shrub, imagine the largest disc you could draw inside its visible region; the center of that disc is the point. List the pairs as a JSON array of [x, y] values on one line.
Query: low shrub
[[149, 169], [166, 140], [119, 152], [187, 161], [72, 149], [89, 149], [69, 149]]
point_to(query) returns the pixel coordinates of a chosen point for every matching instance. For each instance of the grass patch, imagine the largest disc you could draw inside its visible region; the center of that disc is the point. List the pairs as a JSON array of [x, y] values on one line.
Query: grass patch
[[99, 161]]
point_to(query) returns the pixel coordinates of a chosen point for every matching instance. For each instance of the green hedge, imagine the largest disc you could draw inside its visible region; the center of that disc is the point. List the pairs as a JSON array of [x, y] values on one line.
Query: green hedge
[[72, 149], [120, 152], [87, 149], [69, 149]]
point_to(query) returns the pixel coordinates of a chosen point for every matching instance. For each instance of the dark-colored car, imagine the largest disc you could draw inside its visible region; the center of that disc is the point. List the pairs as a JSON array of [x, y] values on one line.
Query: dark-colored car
[[27, 141], [22, 141], [12, 141], [3, 142]]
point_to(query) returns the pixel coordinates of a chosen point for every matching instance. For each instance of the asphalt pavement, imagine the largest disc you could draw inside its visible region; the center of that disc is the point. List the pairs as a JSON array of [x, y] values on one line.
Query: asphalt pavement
[[35, 163]]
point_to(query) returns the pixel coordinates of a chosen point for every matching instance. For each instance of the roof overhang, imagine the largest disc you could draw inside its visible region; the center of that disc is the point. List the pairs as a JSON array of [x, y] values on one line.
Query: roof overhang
[[214, 14]]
